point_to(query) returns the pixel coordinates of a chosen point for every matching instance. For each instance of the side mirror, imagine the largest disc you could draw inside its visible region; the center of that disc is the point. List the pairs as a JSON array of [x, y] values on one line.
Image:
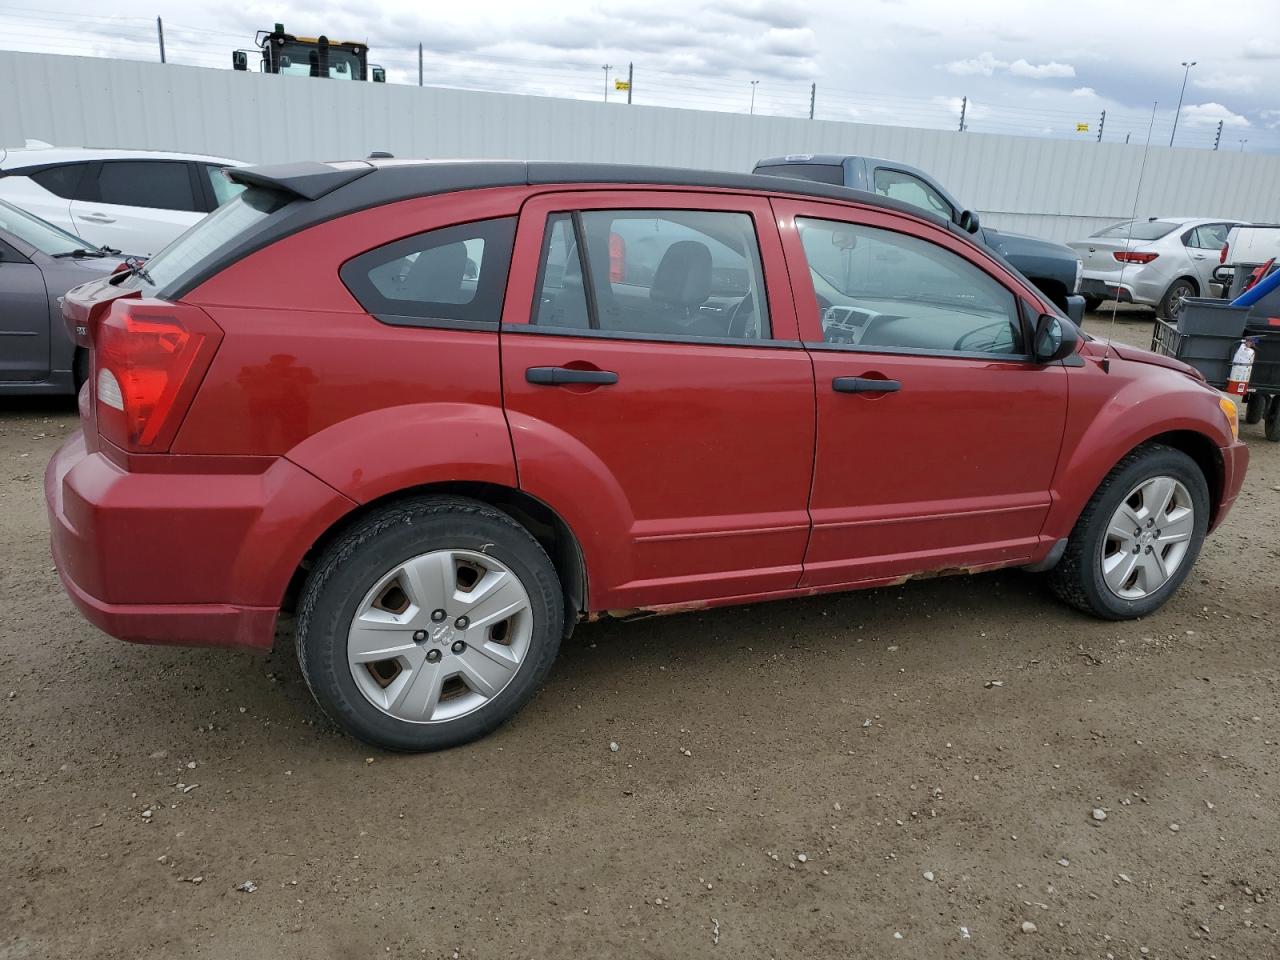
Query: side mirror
[[1055, 339], [969, 221], [239, 60], [379, 74]]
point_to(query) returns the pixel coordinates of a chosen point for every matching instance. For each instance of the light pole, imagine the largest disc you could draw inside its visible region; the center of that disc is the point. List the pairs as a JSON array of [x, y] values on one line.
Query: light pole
[[607, 68], [753, 97], [1242, 143], [1187, 65]]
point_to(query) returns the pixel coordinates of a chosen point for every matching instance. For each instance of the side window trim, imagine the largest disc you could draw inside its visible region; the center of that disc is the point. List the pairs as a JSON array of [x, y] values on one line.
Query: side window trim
[[583, 254], [918, 352]]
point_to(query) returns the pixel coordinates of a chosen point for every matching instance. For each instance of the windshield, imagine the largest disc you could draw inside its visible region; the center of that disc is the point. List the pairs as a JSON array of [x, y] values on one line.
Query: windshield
[[41, 234], [300, 60], [210, 236], [1142, 229]]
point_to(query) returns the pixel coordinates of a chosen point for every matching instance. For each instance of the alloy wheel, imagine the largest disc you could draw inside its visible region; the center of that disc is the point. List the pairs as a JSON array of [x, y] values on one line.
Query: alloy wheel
[[1148, 538]]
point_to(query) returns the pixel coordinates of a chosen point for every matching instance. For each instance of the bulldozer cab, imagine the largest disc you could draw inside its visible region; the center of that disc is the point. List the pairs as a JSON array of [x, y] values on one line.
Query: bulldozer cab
[[291, 55]]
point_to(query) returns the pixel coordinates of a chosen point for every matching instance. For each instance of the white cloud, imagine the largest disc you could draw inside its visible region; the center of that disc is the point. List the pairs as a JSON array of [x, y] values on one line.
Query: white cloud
[[1041, 71], [1262, 50], [1271, 118], [1084, 92], [1208, 115], [1228, 82], [984, 64]]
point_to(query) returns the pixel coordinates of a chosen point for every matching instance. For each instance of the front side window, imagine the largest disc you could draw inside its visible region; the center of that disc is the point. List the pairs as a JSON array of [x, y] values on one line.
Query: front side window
[[659, 273], [158, 184], [454, 274], [903, 186], [884, 290]]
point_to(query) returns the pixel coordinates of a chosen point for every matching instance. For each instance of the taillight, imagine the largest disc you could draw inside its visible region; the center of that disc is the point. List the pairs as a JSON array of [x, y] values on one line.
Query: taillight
[[149, 358], [1222, 257], [617, 259], [1128, 256]]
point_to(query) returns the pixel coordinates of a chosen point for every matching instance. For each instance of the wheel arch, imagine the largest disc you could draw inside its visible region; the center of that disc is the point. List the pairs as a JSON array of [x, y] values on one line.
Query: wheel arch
[[1206, 455], [543, 523]]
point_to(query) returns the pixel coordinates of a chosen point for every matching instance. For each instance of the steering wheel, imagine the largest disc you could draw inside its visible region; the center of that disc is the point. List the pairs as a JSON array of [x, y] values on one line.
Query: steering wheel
[[989, 344], [740, 320]]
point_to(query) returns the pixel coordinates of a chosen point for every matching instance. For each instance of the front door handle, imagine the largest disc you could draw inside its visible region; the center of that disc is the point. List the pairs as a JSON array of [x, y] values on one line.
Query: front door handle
[[97, 218], [864, 385], [556, 376]]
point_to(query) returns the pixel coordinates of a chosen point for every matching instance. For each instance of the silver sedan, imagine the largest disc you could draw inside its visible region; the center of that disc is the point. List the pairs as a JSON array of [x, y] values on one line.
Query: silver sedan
[[1155, 262]]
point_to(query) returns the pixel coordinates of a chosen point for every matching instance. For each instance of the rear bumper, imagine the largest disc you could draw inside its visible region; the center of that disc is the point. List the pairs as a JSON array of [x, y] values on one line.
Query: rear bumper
[[1235, 462], [182, 557]]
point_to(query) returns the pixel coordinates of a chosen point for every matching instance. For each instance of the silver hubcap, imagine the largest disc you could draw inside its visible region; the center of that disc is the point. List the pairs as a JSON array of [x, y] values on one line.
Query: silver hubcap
[[439, 636], [1148, 538]]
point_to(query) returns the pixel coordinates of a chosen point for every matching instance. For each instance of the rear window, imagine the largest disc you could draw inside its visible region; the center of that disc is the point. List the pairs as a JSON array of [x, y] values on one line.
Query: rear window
[[1142, 230], [817, 172], [210, 237]]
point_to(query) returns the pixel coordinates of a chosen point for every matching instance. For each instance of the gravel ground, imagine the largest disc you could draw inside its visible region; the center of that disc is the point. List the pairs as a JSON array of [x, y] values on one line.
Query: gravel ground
[[909, 772]]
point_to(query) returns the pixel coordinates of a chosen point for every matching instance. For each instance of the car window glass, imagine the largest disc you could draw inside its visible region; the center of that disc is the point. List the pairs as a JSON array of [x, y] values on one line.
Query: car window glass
[[63, 180], [832, 173], [1210, 236], [1137, 230], [903, 186], [223, 189], [158, 184], [456, 273], [881, 289], [41, 234], [662, 273]]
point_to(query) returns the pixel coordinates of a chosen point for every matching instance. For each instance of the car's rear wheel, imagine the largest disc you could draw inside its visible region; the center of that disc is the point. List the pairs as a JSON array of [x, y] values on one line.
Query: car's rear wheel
[[1272, 426], [429, 623], [1092, 303], [1138, 538], [1171, 306], [1255, 409]]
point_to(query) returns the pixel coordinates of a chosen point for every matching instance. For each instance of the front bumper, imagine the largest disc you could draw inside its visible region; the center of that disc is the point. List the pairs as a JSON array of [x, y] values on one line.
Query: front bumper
[[1235, 463], [186, 556]]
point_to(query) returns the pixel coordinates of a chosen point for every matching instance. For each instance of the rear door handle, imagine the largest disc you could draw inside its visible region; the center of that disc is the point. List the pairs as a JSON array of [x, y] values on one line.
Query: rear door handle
[[97, 218], [555, 376], [864, 385]]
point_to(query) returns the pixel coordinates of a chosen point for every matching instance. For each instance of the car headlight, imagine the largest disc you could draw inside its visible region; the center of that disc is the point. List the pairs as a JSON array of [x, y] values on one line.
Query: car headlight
[[1232, 413], [1079, 274]]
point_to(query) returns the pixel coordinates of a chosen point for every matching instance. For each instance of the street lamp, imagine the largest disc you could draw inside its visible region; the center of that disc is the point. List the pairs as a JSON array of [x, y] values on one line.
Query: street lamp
[[753, 96], [607, 67], [1242, 143], [1187, 65]]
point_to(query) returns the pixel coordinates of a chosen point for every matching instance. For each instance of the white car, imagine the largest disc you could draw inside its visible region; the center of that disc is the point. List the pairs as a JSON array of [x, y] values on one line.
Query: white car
[[133, 200], [1156, 262]]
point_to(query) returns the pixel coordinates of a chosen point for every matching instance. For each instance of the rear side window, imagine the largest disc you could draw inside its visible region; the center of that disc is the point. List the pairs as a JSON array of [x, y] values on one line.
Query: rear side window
[[159, 184], [62, 181], [816, 172], [457, 275]]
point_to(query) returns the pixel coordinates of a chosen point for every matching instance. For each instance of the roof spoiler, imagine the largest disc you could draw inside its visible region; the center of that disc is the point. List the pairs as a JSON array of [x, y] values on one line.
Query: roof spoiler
[[308, 179]]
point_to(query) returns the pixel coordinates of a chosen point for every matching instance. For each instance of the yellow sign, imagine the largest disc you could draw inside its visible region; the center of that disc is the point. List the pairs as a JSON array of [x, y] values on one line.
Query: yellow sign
[[1082, 128], [622, 84]]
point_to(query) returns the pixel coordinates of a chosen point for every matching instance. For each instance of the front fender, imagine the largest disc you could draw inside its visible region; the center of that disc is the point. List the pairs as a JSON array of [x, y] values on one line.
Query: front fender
[[383, 451], [1104, 426]]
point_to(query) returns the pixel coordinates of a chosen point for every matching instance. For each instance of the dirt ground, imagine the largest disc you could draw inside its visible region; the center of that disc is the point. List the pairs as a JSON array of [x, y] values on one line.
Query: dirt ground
[[898, 773]]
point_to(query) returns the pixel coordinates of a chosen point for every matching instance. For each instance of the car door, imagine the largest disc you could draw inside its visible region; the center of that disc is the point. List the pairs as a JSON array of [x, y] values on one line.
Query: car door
[[1204, 247], [657, 394], [24, 319], [138, 206], [937, 434]]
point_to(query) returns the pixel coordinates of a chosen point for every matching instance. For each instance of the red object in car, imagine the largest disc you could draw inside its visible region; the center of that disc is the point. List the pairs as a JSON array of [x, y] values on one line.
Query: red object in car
[[445, 448], [1129, 256]]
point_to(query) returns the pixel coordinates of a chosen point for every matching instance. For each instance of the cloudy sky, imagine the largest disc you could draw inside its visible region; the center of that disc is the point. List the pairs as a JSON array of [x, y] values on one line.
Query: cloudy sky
[[1025, 67]]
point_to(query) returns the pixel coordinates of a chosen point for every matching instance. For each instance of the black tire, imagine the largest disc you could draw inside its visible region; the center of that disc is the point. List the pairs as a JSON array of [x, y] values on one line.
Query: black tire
[[1169, 306], [1078, 579], [79, 368], [1092, 303], [348, 568], [1255, 409], [1272, 426]]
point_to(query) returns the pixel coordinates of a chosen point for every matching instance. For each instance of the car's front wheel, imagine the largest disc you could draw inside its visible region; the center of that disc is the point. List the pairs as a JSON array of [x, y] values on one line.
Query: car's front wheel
[[1138, 538], [429, 623]]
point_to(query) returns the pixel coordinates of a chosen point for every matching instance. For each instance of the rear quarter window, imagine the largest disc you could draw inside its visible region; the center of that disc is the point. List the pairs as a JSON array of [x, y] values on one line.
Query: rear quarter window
[[64, 180], [453, 276]]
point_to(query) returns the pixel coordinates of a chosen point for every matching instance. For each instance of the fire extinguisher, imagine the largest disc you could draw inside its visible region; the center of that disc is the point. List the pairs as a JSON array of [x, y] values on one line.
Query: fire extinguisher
[[1242, 367]]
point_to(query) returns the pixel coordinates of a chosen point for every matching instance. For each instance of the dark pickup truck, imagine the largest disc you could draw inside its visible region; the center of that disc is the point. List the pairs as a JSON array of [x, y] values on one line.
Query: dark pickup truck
[[1052, 267]]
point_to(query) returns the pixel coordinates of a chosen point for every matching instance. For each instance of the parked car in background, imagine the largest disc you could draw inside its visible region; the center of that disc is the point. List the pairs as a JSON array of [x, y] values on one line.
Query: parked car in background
[[135, 200], [1249, 248], [1157, 261], [1053, 268], [38, 264], [305, 403]]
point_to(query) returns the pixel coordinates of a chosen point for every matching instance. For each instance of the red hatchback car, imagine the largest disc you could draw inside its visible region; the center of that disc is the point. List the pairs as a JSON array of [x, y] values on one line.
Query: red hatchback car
[[446, 410]]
